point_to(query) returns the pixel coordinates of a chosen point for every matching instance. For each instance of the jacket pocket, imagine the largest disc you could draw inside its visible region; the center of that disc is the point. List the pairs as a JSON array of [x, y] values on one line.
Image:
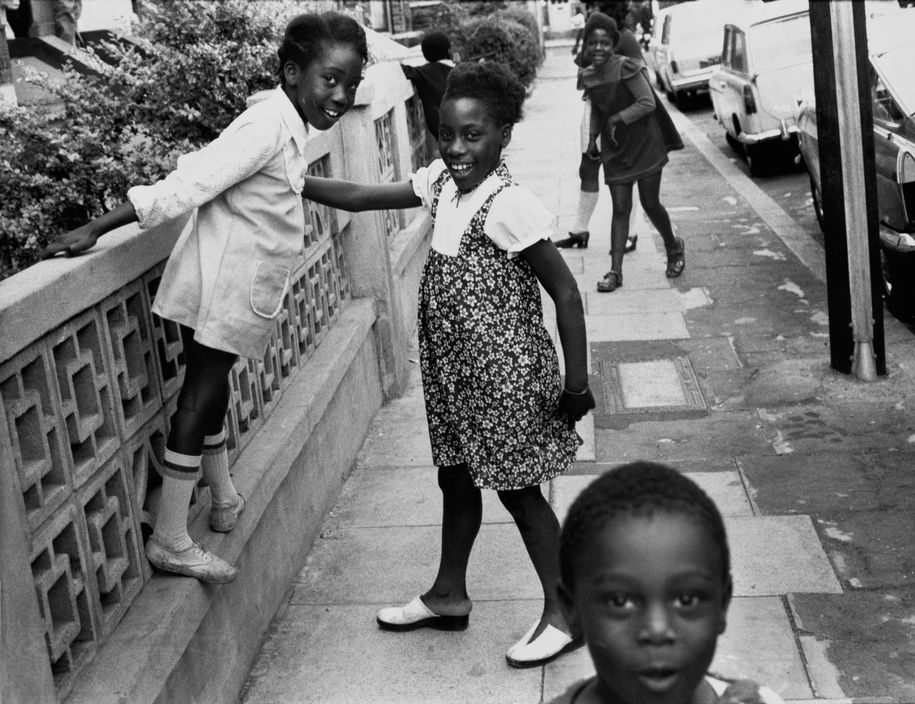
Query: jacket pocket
[[268, 288]]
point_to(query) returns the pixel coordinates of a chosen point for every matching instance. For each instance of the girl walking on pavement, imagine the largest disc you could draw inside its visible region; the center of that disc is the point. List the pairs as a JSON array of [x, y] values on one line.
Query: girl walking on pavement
[[635, 135], [589, 168], [227, 276], [499, 416]]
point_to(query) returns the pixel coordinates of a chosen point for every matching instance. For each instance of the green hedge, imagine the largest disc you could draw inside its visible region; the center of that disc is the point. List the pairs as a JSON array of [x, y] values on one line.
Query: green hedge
[[177, 90]]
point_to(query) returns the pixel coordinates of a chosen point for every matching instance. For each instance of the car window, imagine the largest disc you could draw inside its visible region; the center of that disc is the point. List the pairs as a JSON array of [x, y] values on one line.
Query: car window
[[739, 51], [885, 107], [665, 31], [726, 47], [771, 43], [897, 84]]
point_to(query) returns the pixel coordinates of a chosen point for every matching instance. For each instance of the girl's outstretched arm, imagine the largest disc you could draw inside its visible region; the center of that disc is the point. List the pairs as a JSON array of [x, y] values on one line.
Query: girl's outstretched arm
[[553, 274], [84, 237], [352, 196]]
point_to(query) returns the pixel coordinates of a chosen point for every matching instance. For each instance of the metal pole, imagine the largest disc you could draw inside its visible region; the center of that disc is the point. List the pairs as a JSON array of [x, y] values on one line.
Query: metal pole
[[853, 178]]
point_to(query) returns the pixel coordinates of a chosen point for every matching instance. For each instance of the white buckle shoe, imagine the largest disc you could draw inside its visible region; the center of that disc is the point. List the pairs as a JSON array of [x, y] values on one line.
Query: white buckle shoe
[[416, 614], [550, 644], [195, 561]]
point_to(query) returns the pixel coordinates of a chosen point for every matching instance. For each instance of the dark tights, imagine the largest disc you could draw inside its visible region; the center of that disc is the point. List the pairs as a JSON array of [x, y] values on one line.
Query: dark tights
[[649, 195], [462, 513], [204, 396]]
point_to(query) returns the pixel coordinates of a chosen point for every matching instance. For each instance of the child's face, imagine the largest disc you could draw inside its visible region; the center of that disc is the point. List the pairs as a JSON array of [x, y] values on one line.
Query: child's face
[[599, 46], [470, 141], [650, 603], [326, 88]]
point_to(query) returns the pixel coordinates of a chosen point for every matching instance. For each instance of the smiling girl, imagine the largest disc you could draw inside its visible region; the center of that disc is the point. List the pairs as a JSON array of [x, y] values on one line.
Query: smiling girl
[[226, 278], [499, 417]]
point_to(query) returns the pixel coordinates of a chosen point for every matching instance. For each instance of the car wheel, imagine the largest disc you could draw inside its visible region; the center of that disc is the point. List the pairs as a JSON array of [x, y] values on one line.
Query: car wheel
[[671, 96], [898, 294], [756, 162], [817, 204], [733, 143]]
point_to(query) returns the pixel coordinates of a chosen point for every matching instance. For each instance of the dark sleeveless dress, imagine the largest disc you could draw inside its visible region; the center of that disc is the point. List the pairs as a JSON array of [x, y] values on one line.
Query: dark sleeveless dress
[[641, 146], [489, 368]]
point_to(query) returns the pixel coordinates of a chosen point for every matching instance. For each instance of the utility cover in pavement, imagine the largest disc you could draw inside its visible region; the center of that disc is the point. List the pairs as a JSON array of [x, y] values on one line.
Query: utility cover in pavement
[[648, 389]]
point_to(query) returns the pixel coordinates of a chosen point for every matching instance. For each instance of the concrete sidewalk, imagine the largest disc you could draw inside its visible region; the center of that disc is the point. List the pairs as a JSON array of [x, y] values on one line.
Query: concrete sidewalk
[[723, 373]]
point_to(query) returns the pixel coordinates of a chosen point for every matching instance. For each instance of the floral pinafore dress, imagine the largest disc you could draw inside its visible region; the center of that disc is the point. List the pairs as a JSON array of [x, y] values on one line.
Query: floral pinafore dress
[[489, 368]]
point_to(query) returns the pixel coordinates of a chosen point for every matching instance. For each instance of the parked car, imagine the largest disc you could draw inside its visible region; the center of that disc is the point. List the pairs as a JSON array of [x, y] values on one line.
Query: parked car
[[891, 54], [766, 67], [685, 46]]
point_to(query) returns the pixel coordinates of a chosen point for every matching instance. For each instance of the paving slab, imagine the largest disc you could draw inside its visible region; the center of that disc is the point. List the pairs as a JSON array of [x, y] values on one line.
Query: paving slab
[[818, 427], [832, 483], [391, 565], [871, 549], [399, 496], [667, 438], [868, 637], [337, 655], [724, 488], [636, 326]]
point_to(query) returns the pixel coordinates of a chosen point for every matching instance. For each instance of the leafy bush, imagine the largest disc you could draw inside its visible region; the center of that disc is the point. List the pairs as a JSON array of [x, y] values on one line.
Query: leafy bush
[[178, 90], [502, 40], [492, 31], [169, 93]]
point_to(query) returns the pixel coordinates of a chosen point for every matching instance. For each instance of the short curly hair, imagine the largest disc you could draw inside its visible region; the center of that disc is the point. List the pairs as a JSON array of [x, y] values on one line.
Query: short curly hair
[[308, 35], [491, 83], [436, 46], [637, 489]]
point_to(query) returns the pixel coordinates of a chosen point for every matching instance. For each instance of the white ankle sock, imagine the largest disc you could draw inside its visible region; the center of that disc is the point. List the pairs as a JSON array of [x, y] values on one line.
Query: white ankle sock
[[215, 465], [179, 476], [587, 202]]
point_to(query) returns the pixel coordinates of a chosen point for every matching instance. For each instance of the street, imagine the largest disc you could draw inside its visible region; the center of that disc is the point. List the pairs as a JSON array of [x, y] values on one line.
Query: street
[[787, 184]]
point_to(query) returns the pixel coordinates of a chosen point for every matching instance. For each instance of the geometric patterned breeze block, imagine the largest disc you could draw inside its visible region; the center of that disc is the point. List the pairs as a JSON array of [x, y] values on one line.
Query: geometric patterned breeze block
[[88, 409], [416, 126], [384, 136], [318, 287]]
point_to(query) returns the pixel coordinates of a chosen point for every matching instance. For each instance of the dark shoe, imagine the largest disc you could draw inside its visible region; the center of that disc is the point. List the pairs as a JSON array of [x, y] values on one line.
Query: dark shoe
[[612, 280], [575, 239], [676, 260], [631, 243], [415, 615]]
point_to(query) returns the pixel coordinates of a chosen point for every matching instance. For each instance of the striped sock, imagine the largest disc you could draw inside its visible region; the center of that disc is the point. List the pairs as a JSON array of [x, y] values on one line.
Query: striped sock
[[215, 464], [179, 476]]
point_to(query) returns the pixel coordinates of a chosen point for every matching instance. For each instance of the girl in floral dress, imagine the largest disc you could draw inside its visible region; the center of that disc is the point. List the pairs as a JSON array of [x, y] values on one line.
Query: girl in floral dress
[[499, 415]]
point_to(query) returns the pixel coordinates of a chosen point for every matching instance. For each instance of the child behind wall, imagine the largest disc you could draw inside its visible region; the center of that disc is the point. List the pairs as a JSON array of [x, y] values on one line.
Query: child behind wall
[[429, 81], [646, 579]]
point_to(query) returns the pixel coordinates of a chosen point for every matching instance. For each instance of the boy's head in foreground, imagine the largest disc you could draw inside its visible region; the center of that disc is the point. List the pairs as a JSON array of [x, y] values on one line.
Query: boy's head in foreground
[[645, 578]]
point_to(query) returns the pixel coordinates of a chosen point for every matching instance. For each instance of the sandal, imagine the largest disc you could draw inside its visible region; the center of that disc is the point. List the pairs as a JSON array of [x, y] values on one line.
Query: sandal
[[631, 243], [676, 260], [612, 280]]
